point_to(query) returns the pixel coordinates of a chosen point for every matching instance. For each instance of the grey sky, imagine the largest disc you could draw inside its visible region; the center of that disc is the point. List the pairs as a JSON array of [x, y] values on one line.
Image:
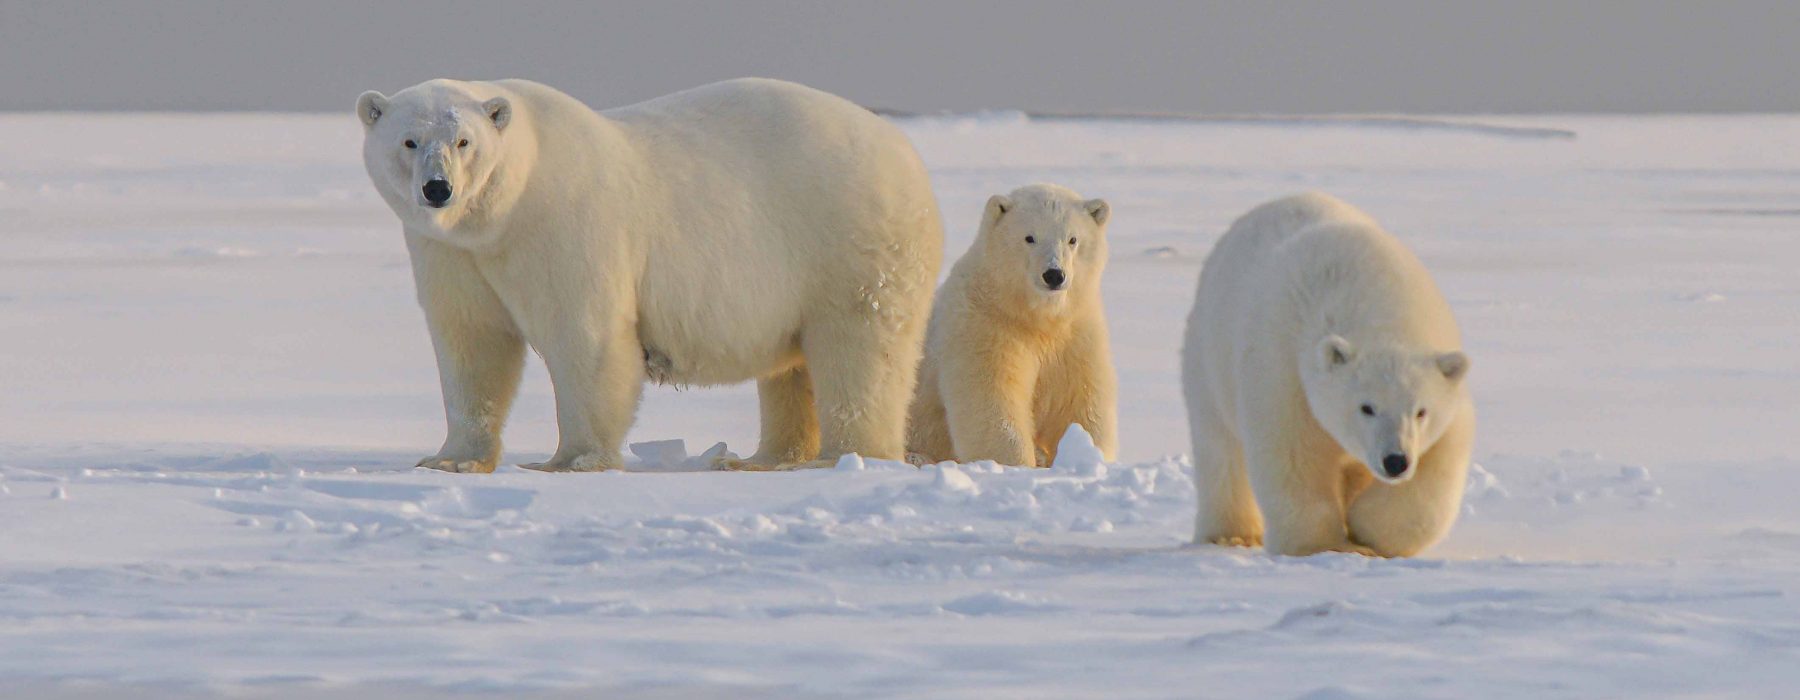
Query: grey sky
[[1232, 57]]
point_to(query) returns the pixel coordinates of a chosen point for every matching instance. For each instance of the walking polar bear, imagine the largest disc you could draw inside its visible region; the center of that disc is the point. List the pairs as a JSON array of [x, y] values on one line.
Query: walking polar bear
[[1017, 349], [1325, 387], [750, 229]]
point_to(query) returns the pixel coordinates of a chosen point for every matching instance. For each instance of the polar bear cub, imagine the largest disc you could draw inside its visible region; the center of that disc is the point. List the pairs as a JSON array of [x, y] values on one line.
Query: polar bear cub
[[1325, 387], [1017, 348], [750, 229]]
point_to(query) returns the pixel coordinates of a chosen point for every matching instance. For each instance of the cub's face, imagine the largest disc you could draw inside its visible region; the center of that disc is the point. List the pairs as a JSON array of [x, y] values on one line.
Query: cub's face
[[1047, 240], [430, 151], [1384, 406]]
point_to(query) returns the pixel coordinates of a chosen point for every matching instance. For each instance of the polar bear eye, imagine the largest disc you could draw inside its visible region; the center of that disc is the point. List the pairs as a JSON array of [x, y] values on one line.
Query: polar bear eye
[[1368, 410], [1031, 239], [1420, 415], [1071, 241], [463, 143], [410, 144]]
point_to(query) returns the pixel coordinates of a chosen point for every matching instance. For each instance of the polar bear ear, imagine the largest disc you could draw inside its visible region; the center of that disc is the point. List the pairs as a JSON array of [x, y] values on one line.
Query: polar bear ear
[[997, 205], [370, 106], [1335, 352], [1454, 365], [498, 111], [1099, 209]]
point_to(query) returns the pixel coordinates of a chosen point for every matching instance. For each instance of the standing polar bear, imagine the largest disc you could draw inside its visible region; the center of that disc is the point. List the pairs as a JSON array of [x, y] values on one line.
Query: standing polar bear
[[1017, 349], [750, 229], [1325, 387]]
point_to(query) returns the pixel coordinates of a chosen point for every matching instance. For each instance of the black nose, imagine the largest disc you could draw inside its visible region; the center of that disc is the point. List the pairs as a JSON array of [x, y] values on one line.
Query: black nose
[[1394, 465], [1053, 278], [437, 192]]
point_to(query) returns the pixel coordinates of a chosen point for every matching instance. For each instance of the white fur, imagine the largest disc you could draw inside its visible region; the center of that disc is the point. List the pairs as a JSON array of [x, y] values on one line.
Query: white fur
[[1009, 363], [751, 229], [1307, 310]]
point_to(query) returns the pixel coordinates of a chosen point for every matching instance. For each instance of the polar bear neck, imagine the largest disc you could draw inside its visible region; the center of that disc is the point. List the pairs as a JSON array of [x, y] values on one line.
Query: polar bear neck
[[522, 180]]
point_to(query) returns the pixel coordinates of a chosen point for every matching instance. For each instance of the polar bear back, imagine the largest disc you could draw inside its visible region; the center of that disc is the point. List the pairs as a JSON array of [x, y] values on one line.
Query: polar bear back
[[777, 157], [747, 167], [1295, 270]]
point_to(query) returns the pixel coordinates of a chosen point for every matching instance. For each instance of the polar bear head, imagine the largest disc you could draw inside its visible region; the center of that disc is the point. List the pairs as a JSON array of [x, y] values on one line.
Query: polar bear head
[[433, 148], [1046, 241], [1384, 405]]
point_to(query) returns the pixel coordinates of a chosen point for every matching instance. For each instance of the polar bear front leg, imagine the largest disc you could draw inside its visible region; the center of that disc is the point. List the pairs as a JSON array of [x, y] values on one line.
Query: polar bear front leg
[[790, 424], [1295, 472], [1091, 392], [480, 356], [479, 371], [598, 378], [927, 432], [988, 399], [1401, 520], [862, 374], [1226, 512], [1302, 511]]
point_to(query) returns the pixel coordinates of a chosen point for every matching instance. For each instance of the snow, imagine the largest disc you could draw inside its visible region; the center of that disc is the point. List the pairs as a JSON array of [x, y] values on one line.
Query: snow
[[215, 382]]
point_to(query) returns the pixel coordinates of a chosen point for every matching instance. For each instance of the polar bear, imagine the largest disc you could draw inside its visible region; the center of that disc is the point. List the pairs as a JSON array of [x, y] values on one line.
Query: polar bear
[[1017, 349], [750, 229], [1325, 387]]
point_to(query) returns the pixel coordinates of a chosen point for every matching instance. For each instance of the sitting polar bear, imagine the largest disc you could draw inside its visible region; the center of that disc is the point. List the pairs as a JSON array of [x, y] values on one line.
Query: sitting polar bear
[[1324, 386], [751, 229], [1017, 349]]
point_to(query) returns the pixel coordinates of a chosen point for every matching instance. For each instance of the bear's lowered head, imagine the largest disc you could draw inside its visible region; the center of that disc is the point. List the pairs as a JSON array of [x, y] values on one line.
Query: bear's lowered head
[[1386, 406]]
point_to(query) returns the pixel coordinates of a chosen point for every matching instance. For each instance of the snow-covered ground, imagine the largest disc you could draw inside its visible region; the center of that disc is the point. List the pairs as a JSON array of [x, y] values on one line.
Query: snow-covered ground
[[213, 379]]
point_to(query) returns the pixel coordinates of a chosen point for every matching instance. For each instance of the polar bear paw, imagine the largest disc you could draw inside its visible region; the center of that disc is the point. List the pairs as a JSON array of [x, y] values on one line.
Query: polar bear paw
[[1237, 540], [456, 465], [1363, 549], [590, 462]]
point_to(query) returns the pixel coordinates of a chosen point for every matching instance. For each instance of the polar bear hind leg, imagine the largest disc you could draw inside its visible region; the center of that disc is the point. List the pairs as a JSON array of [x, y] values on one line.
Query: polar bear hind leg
[[790, 423], [862, 372]]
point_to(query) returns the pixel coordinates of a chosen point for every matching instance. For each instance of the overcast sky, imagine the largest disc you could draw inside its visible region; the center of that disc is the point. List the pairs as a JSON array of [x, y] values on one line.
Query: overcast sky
[[1203, 57]]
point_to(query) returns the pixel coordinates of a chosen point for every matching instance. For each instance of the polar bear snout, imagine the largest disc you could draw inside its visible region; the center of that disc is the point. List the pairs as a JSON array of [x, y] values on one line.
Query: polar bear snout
[[1054, 279], [1395, 464], [437, 192]]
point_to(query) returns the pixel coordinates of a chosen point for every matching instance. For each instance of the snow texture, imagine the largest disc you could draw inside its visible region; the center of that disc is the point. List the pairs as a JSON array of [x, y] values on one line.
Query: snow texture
[[215, 379]]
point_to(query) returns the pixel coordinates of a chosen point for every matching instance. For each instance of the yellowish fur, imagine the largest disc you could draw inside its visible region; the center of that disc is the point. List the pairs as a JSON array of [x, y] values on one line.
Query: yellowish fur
[[1010, 364]]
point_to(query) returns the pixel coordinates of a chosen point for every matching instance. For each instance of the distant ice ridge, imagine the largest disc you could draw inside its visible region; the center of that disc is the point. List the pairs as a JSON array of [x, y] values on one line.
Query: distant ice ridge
[[1000, 117]]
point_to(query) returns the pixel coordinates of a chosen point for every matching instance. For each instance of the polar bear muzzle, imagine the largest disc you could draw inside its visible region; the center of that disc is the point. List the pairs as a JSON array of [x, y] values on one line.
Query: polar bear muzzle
[[1394, 464], [437, 192]]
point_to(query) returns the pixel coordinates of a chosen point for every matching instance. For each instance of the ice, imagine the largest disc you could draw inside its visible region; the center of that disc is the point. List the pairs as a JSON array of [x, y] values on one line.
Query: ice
[[217, 382], [661, 452]]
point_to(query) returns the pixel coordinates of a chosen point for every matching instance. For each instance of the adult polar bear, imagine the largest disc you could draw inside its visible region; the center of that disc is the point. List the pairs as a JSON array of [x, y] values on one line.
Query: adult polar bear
[[750, 229], [1324, 384]]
